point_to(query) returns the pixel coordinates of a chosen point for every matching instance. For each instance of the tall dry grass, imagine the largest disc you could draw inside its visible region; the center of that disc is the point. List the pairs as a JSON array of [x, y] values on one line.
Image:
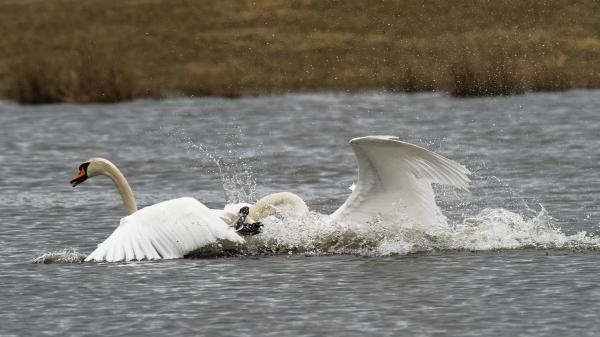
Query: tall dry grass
[[66, 50], [86, 75], [506, 67]]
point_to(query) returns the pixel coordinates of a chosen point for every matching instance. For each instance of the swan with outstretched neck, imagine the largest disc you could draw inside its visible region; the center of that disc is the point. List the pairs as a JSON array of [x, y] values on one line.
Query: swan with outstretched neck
[[394, 186], [101, 166], [167, 230]]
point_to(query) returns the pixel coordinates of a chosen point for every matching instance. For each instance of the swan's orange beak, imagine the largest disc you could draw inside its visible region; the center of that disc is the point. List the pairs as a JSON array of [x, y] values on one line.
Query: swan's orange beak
[[79, 177]]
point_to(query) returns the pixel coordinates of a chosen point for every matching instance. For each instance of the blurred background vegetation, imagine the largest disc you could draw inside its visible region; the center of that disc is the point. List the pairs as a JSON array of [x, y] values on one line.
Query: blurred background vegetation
[[113, 50]]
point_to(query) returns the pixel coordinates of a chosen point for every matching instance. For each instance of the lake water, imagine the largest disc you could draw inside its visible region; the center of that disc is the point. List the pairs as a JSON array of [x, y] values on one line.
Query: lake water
[[518, 255]]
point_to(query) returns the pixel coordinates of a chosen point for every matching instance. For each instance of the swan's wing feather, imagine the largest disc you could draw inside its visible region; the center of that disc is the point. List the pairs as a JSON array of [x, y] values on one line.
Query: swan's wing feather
[[394, 179], [167, 230]]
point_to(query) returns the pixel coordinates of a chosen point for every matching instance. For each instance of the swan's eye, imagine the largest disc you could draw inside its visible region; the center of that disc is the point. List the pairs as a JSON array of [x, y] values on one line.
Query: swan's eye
[[84, 167]]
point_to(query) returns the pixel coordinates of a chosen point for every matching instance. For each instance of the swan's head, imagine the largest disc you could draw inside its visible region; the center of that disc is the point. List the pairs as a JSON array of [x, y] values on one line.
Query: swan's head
[[82, 175], [90, 168]]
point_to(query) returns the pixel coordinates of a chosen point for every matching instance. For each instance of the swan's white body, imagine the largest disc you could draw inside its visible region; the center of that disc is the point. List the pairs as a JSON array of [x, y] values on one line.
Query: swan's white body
[[167, 230], [394, 182]]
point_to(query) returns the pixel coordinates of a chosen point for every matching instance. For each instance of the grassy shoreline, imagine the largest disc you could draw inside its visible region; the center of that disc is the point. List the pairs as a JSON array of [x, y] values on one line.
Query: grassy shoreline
[[106, 51]]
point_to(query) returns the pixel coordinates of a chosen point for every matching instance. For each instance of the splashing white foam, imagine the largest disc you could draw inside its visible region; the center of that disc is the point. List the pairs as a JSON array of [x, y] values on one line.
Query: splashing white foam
[[312, 233], [491, 229], [502, 229], [67, 255]]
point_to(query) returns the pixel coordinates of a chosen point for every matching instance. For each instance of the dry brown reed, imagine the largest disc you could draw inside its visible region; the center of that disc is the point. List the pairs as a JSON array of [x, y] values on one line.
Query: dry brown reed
[[505, 68], [113, 50], [86, 75]]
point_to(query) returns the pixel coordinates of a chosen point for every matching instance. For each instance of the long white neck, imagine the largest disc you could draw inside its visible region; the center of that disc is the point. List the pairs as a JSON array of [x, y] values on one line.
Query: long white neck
[[271, 203], [105, 167]]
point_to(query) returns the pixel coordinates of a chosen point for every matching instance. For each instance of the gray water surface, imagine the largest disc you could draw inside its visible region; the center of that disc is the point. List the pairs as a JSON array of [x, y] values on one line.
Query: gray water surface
[[522, 259]]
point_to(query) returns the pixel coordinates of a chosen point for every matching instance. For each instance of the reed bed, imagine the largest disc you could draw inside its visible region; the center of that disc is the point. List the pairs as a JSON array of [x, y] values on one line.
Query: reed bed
[[107, 51], [86, 76]]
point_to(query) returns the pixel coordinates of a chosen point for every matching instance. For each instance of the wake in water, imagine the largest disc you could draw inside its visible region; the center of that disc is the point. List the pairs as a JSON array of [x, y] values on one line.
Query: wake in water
[[67, 255], [491, 229], [313, 234]]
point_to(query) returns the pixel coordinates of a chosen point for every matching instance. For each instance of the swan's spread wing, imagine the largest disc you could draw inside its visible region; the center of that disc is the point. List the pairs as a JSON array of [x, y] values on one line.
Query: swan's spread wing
[[394, 181], [167, 230]]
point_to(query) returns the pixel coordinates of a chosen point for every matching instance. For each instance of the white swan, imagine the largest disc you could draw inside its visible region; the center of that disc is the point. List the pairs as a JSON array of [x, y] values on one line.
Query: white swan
[[169, 229], [394, 180], [394, 184]]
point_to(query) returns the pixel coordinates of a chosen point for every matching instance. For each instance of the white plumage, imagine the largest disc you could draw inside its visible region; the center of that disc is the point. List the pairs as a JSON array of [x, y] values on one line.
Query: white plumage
[[167, 230], [394, 181]]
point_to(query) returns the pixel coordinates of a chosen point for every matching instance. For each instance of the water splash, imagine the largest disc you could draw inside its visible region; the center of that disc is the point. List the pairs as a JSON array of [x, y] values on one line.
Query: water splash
[[67, 255], [234, 171], [492, 229]]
